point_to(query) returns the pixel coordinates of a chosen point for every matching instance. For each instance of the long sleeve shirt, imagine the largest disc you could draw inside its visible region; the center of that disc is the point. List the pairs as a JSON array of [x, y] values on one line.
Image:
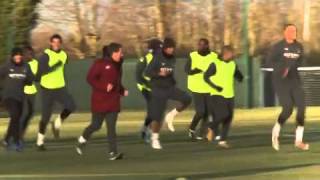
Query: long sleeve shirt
[[15, 77], [285, 59], [159, 62]]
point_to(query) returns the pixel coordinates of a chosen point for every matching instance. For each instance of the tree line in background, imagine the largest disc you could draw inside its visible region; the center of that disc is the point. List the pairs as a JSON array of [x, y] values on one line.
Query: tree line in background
[[17, 18], [87, 25]]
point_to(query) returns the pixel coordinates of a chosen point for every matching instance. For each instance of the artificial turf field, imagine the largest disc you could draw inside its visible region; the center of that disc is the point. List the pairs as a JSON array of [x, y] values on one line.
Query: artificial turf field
[[251, 155]]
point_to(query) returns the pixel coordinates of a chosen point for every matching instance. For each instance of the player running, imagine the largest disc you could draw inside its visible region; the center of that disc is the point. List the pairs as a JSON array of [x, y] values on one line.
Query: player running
[[195, 67], [105, 79], [286, 56], [16, 74], [143, 84], [221, 77], [53, 89], [29, 90], [161, 71]]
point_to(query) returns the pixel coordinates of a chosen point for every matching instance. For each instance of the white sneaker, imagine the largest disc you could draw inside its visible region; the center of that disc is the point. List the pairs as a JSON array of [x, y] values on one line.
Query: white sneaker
[[302, 146], [155, 144], [79, 148], [169, 121], [275, 136], [224, 144], [275, 143]]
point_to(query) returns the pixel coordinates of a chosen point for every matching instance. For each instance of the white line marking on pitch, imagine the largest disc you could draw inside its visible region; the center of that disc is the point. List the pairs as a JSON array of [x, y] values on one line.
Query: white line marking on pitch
[[28, 176]]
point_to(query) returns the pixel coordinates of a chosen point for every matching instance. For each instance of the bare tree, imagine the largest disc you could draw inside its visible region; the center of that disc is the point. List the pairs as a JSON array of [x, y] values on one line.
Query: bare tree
[[159, 19]]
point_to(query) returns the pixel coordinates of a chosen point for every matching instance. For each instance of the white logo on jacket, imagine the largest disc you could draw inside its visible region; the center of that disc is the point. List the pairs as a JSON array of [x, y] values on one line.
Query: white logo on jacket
[[17, 76], [291, 55]]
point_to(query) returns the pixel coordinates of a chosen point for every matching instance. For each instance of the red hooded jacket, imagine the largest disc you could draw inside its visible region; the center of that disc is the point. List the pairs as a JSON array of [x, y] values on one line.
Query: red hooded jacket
[[101, 73]]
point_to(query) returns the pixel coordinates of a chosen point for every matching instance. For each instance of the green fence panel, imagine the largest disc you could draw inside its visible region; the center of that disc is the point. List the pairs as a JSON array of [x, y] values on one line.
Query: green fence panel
[[76, 72]]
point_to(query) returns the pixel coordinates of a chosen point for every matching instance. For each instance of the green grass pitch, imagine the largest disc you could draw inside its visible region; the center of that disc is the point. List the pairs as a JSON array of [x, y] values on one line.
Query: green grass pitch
[[251, 155]]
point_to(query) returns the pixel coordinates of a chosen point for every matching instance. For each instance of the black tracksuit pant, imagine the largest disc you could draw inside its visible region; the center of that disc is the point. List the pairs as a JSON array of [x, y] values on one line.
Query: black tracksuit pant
[[290, 95], [147, 97], [14, 108], [200, 101], [96, 123], [28, 111], [49, 97], [222, 110], [160, 97]]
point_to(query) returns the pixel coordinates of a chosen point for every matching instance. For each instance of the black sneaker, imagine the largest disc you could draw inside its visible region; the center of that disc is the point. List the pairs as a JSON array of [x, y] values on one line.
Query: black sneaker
[[19, 146], [55, 131], [115, 156], [193, 136], [41, 147], [79, 148]]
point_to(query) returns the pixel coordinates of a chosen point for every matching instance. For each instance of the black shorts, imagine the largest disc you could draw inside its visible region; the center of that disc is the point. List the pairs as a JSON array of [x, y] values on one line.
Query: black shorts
[[160, 97]]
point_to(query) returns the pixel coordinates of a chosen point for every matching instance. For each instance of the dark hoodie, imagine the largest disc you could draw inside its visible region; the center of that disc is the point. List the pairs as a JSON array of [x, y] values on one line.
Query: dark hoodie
[[15, 77], [161, 60]]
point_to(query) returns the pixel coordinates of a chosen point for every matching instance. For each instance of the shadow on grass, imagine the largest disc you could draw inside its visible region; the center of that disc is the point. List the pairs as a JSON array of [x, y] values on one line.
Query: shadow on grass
[[253, 139], [247, 172]]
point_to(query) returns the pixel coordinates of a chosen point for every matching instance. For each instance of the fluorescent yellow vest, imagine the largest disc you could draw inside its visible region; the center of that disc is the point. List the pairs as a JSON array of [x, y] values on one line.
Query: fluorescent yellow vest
[[148, 59], [196, 82], [224, 78], [31, 89], [55, 79]]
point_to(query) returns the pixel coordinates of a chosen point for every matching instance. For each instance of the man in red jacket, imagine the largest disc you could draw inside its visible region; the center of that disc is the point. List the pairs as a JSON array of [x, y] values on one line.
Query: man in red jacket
[[105, 80]]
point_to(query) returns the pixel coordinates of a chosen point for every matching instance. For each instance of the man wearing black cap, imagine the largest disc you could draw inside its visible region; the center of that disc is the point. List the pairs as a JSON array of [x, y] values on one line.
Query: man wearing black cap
[[163, 85], [16, 75], [143, 82]]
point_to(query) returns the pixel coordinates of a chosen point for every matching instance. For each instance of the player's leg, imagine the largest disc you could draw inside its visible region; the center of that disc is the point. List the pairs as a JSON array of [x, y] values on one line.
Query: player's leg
[[207, 118], [299, 100], [8, 135], [63, 97], [111, 121], [158, 105], [15, 111], [96, 123], [226, 124], [204, 125], [184, 100], [29, 104], [199, 101], [47, 101], [220, 112], [286, 102], [145, 130]]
